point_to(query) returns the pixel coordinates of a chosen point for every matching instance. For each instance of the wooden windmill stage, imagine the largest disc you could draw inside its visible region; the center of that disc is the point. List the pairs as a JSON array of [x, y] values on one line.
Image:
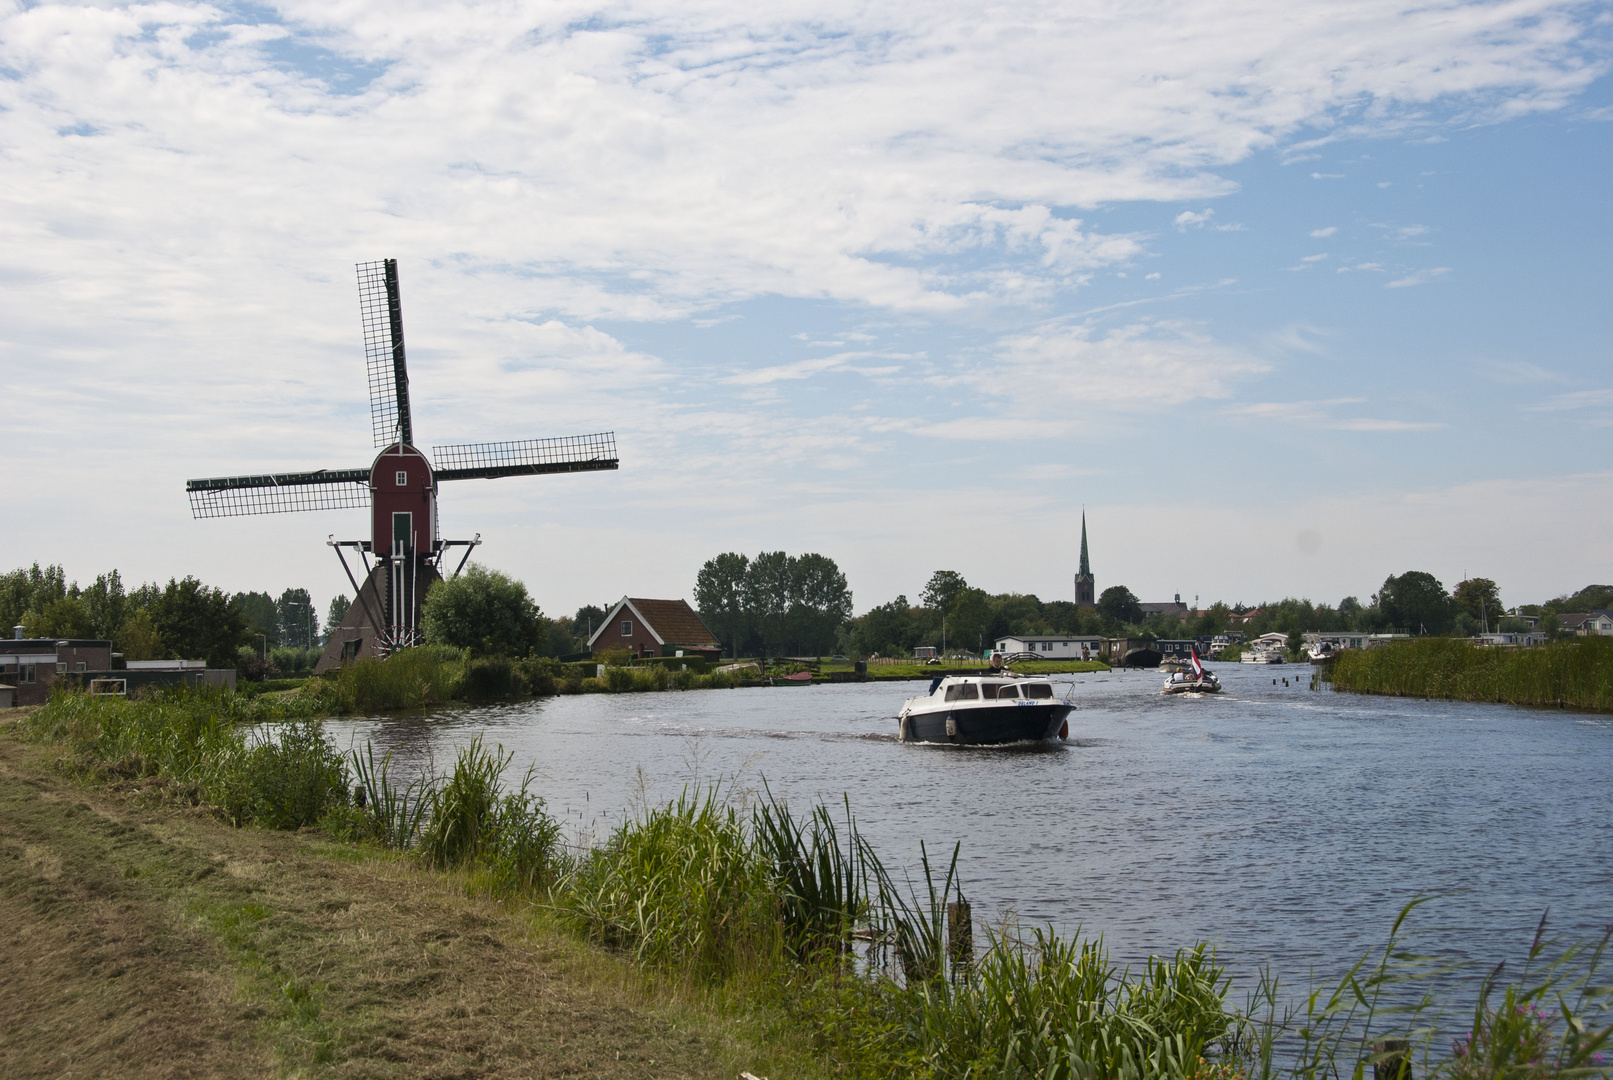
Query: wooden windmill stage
[[399, 487]]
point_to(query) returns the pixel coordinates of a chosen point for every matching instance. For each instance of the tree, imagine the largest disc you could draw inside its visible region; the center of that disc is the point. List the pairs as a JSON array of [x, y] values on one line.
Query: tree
[[258, 610], [294, 612], [968, 620], [484, 611], [887, 629], [819, 603], [337, 611], [589, 617], [1480, 599], [64, 617], [1416, 602], [1120, 605], [106, 604], [198, 622], [22, 591], [719, 597], [137, 638], [943, 587]]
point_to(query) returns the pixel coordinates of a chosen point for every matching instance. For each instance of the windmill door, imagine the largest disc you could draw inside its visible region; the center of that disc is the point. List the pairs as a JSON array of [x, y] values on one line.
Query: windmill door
[[404, 575]]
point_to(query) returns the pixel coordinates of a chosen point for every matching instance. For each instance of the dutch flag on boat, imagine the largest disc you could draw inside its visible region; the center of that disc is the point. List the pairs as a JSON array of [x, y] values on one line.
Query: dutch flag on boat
[[1198, 668]]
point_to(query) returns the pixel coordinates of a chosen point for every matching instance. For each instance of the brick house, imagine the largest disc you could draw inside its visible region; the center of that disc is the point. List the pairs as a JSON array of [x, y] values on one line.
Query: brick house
[[654, 628], [32, 664]]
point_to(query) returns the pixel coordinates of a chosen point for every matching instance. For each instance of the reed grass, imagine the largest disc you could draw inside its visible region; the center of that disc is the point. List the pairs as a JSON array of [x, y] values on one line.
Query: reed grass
[[259, 760], [1576, 673]]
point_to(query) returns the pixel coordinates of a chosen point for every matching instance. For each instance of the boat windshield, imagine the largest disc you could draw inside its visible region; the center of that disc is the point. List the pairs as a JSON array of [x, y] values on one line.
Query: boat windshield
[[1037, 690], [963, 692], [1008, 691]]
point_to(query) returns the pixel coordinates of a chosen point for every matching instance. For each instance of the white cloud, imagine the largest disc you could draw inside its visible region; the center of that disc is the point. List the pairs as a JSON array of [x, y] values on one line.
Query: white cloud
[[1419, 277], [1313, 258], [1323, 234], [1048, 374], [1575, 400], [1327, 176], [1319, 414], [1189, 217]]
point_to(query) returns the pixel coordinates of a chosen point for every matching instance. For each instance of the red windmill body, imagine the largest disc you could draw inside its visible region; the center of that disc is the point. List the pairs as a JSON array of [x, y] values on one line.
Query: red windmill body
[[399, 487]]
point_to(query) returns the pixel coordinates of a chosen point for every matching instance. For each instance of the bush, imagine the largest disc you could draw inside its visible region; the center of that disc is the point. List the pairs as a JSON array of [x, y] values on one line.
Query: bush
[[284, 782], [475, 823], [496, 678], [408, 679]]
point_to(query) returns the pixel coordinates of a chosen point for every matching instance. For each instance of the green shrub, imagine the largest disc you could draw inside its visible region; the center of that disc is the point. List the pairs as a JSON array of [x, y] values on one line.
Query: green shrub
[[681, 887], [286, 781], [474, 823], [495, 678], [408, 679]]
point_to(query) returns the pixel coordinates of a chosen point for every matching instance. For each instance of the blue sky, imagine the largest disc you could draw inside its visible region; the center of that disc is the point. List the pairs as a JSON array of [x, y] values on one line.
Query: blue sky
[[1289, 298]]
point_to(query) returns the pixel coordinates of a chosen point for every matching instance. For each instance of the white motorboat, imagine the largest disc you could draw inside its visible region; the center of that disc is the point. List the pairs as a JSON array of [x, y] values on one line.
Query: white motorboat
[[1195, 679], [1321, 652], [1257, 655], [982, 710]]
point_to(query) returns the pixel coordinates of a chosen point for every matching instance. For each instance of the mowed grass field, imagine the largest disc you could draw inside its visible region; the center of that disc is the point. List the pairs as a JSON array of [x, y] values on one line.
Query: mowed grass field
[[145, 939]]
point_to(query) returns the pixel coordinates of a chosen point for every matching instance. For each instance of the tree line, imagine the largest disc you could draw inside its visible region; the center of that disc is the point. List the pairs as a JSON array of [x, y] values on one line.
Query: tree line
[[775, 604]]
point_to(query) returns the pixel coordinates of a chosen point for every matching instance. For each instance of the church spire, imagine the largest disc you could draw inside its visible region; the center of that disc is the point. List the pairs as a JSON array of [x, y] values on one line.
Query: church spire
[[1086, 567], [1085, 587]]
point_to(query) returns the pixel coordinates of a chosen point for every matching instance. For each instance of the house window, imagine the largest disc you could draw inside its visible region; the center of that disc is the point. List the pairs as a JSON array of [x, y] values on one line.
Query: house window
[[403, 478], [25, 673], [81, 665], [61, 667], [627, 627]]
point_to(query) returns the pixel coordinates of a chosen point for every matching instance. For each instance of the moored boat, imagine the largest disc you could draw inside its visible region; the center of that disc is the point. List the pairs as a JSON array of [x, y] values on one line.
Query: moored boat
[[985, 710]]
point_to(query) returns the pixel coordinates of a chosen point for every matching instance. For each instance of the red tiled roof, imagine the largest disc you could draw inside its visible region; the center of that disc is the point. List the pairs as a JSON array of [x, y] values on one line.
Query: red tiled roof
[[674, 622]]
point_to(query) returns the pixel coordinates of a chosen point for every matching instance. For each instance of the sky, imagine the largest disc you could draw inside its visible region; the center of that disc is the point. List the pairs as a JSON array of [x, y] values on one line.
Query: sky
[[1286, 298]]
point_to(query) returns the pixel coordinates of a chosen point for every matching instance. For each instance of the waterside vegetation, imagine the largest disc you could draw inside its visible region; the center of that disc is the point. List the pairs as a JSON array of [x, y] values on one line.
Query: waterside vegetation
[[788, 921], [1574, 673]]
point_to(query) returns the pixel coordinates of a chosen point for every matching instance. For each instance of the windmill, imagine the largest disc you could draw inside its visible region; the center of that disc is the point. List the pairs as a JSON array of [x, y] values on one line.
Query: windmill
[[399, 487]]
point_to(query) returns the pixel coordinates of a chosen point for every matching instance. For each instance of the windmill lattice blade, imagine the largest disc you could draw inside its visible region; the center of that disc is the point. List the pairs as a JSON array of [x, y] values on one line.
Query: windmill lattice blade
[[526, 457], [380, 308], [279, 493]]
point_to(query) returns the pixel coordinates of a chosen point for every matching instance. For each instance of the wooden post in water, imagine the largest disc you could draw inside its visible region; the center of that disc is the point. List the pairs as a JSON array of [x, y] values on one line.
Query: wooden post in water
[[960, 940], [1391, 1059]]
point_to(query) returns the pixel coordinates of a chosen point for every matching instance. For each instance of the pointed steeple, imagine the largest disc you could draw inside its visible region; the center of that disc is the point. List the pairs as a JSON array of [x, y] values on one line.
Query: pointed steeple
[[1085, 587], [1086, 566]]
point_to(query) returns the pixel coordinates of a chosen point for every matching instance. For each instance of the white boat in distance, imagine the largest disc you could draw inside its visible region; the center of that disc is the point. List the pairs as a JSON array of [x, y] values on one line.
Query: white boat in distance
[[1197, 679], [1258, 655], [985, 710]]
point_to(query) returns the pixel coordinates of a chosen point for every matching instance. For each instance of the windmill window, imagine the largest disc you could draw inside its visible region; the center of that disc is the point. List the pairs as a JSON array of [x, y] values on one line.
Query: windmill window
[[627, 627], [403, 478]]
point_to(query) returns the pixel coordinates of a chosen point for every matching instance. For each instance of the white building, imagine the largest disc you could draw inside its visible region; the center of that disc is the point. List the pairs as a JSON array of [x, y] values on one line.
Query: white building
[[1053, 647], [1509, 640], [1350, 639]]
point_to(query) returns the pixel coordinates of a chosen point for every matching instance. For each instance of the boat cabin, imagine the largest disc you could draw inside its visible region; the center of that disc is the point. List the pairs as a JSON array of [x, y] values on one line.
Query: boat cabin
[[985, 688]]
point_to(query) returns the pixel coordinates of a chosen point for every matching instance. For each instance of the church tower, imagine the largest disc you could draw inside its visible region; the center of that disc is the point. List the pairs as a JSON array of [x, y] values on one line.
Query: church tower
[[1085, 586]]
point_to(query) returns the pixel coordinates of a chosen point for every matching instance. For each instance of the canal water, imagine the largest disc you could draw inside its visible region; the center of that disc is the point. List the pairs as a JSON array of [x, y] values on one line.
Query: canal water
[[1286, 826]]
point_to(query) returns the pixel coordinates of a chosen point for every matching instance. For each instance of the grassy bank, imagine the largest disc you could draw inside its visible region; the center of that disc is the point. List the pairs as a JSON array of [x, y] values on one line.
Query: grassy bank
[[777, 925], [435, 675], [923, 671], [1576, 673]]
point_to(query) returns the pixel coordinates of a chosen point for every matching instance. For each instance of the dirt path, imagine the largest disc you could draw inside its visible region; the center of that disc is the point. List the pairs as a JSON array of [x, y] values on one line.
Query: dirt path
[[141, 940]]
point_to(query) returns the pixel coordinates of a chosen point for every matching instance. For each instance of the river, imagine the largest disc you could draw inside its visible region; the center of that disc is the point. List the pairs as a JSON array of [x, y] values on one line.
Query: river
[[1284, 825]]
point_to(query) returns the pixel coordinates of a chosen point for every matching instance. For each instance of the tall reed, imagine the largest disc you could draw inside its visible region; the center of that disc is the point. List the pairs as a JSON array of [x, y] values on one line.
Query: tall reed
[[1577, 673]]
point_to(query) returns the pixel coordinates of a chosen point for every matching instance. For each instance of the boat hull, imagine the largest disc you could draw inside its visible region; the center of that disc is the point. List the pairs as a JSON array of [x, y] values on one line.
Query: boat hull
[[1023, 722]]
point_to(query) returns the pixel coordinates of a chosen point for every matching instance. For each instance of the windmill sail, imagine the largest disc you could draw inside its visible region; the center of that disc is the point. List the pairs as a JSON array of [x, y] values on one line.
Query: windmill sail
[[381, 308], [279, 493], [525, 457]]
